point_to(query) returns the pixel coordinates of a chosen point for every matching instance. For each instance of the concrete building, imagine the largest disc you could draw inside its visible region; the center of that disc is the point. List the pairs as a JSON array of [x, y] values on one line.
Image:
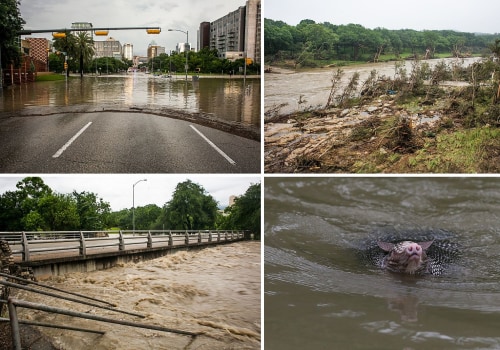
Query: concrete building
[[204, 35], [128, 51], [253, 22], [138, 60], [108, 48], [236, 33], [154, 50], [182, 47], [82, 25]]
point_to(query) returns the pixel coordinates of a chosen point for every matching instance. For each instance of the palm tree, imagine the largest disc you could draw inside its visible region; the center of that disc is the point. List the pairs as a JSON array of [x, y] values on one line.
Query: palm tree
[[84, 48]]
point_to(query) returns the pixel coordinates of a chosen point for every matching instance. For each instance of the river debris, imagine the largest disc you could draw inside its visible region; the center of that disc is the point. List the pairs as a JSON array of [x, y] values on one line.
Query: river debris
[[393, 125]]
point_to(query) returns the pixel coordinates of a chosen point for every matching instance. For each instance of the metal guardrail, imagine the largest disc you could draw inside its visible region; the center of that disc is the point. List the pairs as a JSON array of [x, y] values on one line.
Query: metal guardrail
[[13, 304], [32, 245]]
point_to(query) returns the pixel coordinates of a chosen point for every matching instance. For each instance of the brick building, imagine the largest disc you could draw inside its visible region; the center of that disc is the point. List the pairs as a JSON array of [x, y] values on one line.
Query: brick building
[[38, 51]]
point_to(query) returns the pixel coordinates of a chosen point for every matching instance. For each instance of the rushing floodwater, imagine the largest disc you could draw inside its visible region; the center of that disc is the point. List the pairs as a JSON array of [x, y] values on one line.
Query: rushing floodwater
[[226, 98], [320, 295], [215, 290], [312, 87]]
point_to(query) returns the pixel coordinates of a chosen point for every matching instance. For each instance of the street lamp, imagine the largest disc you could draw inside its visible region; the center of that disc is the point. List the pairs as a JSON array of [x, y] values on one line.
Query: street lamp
[[185, 48], [133, 203]]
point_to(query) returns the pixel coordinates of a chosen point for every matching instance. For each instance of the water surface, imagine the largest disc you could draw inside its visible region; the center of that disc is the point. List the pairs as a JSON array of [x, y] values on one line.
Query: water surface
[[311, 88], [228, 99], [215, 291], [320, 295]]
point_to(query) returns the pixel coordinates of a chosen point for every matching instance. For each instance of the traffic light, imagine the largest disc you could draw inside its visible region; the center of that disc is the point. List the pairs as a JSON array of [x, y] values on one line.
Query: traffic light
[[249, 61], [59, 35], [153, 31], [101, 32], [65, 66]]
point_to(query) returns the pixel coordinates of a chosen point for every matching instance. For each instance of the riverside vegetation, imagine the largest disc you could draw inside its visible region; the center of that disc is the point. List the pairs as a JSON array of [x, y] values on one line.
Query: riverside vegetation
[[414, 121]]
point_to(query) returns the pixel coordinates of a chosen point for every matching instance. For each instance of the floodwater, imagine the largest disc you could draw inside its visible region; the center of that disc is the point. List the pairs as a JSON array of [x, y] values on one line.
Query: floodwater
[[216, 290], [318, 293], [311, 88], [225, 98]]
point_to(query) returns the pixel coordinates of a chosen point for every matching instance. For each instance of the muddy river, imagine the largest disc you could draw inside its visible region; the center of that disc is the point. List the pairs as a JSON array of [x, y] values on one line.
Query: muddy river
[[215, 291], [318, 294], [311, 88], [228, 99]]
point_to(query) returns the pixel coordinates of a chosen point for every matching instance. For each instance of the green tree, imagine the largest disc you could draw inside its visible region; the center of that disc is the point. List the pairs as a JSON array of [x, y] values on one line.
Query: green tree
[[58, 212], [245, 213], [121, 219], [18, 207], [84, 49], [10, 24], [30, 191], [93, 212], [10, 211], [147, 216], [190, 208], [56, 63], [67, 46]]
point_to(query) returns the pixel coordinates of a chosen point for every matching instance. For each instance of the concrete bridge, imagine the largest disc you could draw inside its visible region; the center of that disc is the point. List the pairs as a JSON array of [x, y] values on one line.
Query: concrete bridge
[[56, 253]]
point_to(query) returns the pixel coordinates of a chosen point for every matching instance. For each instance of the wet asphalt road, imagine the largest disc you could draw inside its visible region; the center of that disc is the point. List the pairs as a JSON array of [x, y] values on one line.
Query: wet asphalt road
[[120, 142]]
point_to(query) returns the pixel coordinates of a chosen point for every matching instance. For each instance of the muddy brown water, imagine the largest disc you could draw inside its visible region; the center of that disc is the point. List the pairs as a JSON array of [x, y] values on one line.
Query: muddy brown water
[[318, 294], [310, 88], [216, 291], [228, 99]]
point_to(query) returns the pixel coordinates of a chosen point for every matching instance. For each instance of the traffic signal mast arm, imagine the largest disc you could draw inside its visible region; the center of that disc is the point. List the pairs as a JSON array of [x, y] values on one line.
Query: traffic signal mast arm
[[149, 30]]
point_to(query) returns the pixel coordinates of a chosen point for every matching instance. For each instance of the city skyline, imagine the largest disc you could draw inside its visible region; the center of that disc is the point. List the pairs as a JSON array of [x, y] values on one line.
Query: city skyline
[[186, 17]]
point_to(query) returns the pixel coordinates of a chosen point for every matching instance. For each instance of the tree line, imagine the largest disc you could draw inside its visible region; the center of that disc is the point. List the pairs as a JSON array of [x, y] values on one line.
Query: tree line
[[34, 206], [10, 24], [78, 51], [309, 42]]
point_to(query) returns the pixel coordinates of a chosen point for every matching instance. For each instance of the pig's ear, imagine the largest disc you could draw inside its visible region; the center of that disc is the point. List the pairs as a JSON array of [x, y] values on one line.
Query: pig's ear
[[386, 246], [425, 245]]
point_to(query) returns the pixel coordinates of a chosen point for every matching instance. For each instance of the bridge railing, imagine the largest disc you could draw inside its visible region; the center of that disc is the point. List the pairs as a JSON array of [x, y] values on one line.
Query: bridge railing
[[29, 246]]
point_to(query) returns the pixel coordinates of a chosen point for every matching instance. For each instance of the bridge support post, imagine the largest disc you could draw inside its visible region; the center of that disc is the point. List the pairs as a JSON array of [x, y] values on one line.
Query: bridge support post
[[170, 239], [187, 238], [209, 237], [26, 248], [121, 241], [83, 246], [150, 240], [199, 236]]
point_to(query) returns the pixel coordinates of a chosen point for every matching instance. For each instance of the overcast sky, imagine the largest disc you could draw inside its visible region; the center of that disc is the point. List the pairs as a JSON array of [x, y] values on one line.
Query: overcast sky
[[185, 15], [464, 16], [158, 189]]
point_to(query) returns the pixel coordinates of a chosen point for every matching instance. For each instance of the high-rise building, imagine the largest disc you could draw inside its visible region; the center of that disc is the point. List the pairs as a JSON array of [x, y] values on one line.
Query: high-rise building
[[182, 47], [155, 50], [128, 51], [204, 35], [227, 34], [108, 48], [253, 30], [237, 33]]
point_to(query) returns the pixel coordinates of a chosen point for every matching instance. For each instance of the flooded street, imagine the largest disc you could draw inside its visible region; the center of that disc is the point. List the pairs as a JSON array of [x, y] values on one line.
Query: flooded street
[[311, 88], [319, 294], [215, 291], [225, 98]]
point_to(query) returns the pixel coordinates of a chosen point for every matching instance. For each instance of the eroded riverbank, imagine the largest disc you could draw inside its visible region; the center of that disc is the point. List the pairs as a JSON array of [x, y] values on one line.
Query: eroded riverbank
[[399, 124]]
